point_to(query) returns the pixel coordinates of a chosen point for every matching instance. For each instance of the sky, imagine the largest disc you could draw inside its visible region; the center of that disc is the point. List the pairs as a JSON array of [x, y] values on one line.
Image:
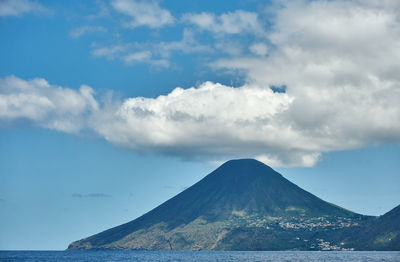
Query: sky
[[109, 108]]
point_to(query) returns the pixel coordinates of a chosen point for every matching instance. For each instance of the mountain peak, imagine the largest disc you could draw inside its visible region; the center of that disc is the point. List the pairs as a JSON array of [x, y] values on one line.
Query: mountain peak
[[244, 187], [244, 169], [244, 162], [240, 174]]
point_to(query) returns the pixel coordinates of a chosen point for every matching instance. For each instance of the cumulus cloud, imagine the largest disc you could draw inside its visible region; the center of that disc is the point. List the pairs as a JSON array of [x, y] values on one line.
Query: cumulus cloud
[[260, 49], [19, 7], [228, 23], [210, 121], [144, 13], [388, 4], [340, 72], [48, 106], [342, 91], [83, 30]]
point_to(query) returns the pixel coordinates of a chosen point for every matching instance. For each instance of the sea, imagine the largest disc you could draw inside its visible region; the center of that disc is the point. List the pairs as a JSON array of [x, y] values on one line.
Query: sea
[[229, 256]]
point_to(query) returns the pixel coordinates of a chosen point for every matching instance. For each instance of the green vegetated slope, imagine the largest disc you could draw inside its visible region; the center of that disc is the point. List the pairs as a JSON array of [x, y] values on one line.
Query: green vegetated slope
[[380, 233], [242, 205]]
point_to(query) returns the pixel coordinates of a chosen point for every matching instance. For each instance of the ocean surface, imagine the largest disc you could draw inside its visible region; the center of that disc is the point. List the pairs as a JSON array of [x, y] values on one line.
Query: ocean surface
[[93, 256]]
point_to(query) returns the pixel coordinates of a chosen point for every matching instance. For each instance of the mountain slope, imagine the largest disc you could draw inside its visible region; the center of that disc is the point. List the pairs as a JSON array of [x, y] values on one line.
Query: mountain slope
[[240, 195], [386, 232], [381, 233]]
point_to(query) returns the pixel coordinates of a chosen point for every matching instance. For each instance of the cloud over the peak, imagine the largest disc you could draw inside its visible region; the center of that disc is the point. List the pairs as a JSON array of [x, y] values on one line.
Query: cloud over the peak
[[214, 121], [342, 71], [341, 91], [207, 122], [143, 13]]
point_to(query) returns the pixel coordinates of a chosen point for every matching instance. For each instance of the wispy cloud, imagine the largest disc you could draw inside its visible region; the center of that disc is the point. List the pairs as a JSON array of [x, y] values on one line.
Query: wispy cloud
[[137, 57], [111, 52], [20, 7], [131, 54], [187, 45], [342, 92], [159, 53], [143, 13], [144, 57], [103, 10], [237, 22], [92, 195], [83, 30], [155, 54]]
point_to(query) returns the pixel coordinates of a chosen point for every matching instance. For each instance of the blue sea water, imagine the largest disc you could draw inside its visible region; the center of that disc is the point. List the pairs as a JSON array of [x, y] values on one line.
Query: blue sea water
[[181, 256]]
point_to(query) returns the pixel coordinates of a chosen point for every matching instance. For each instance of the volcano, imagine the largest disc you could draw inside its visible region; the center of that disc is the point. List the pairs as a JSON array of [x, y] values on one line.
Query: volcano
[[242, 205]]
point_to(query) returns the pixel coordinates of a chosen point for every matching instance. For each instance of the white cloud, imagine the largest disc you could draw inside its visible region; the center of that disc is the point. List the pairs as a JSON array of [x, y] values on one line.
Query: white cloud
[[137, 57], [229, 46], [342, 92], [19, 7], [228, 23], [259, 49], [83, 30], [111, 52], [154, 54], [387, 4], [144, 57], [210, 121], [144, 13], [48, 106], [341, 73], [188, 44]]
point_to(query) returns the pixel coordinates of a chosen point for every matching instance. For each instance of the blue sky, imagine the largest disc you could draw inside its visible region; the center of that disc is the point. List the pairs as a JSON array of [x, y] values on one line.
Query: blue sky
[[109, 108]]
